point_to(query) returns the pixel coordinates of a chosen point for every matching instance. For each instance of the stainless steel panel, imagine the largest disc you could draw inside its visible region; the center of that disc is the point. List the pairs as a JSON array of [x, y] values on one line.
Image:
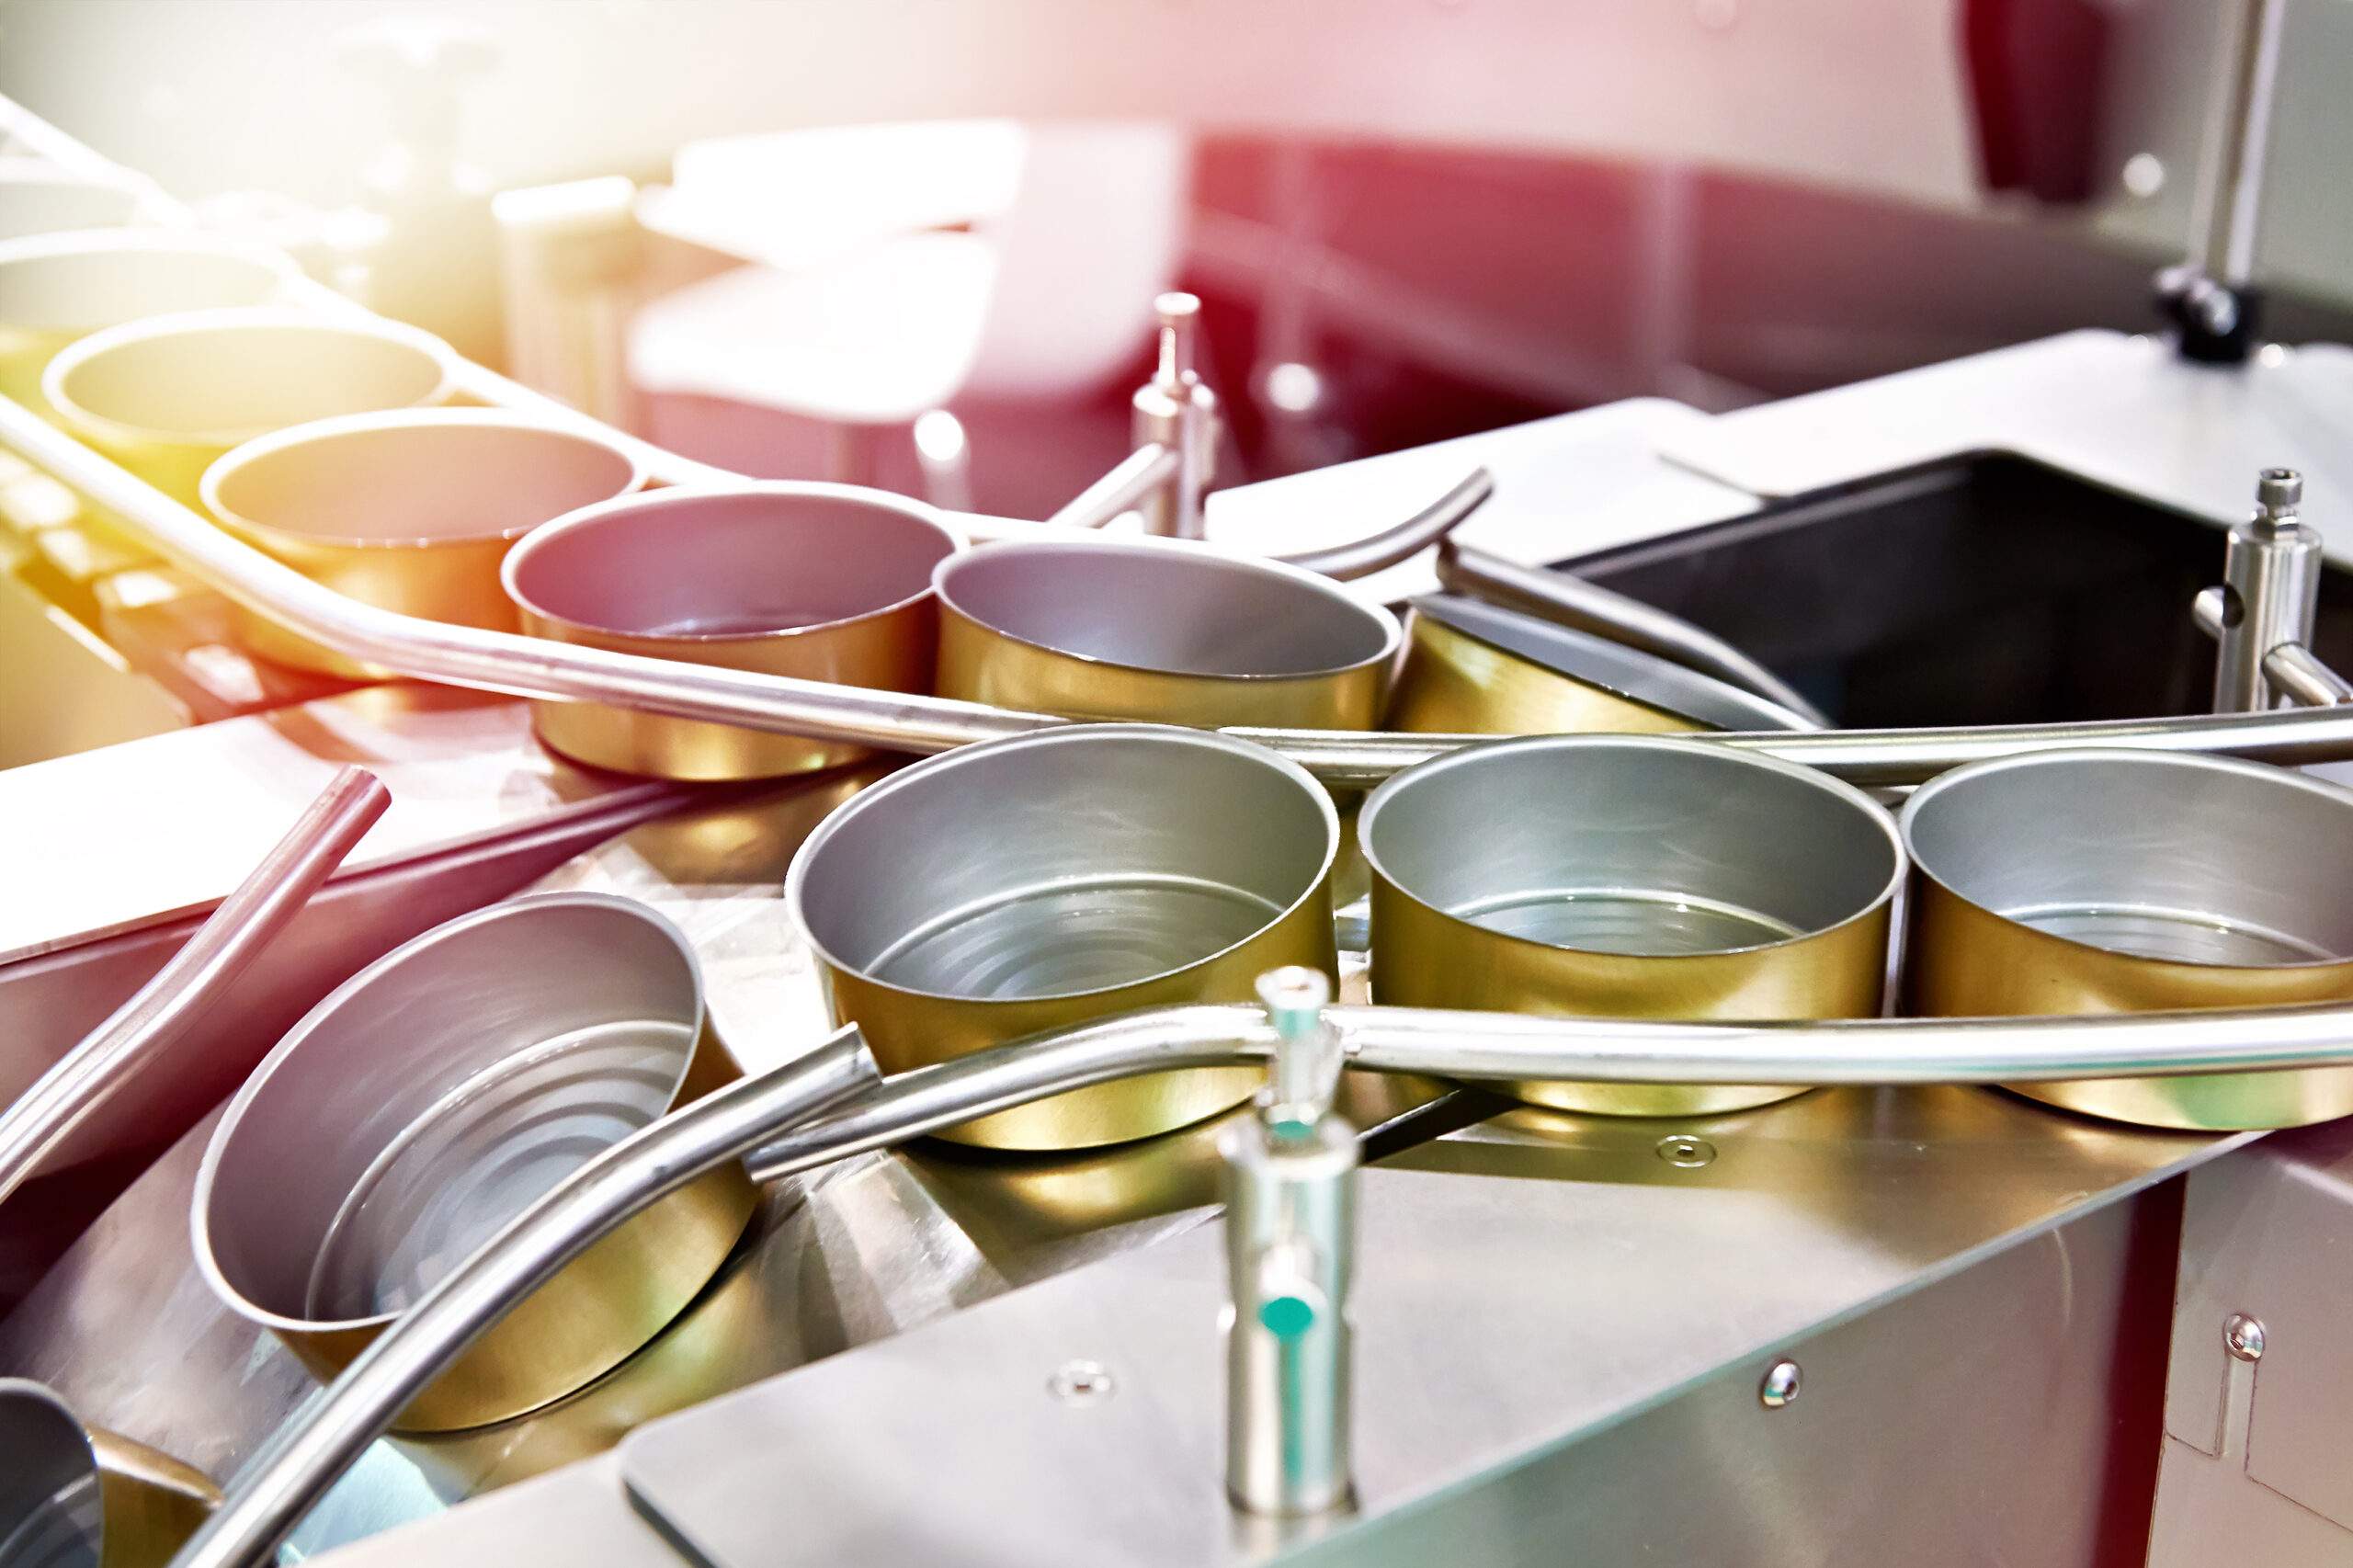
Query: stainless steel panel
[[2001, 1415], [2253, 1461], [2208, 1513], [1522, 1284]]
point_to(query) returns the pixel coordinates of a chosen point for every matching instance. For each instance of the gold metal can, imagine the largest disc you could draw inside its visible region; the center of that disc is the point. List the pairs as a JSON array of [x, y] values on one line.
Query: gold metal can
[[1473, 668], [2117, 882], [167, 395], [411, 510], [428, 1100], [822, 582], [1630, 876], [1162, 632], [58, 288], [76, 1494], [1005, 888]]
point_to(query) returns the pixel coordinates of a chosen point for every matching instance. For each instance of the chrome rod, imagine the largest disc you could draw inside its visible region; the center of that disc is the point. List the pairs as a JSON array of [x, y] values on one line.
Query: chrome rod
[[1137, 475], [1176, 412], [2229, 202], [929, 1098], [86, 1077], [2297, 672], [1358, 759], [1571, 601], [1362, 556], [304, 1457]]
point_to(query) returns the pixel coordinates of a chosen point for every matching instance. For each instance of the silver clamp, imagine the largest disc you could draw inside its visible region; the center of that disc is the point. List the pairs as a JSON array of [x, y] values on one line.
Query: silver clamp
[[1290, 1218], [1176, 412], [2262, 616]]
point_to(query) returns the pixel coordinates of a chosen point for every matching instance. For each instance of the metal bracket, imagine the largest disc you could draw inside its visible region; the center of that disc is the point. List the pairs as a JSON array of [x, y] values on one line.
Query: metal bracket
[[1176, 412], [1291, 1215], [2263, 614]]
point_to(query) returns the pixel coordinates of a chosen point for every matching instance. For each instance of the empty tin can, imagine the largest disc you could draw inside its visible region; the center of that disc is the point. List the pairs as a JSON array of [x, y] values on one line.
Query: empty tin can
[[1474, 668], [824, 582], [76, 1496], [1160, 630], [167, 395], [1630, 876], [429, 1099], [1027, 884], [2112, 881], [411, 510]]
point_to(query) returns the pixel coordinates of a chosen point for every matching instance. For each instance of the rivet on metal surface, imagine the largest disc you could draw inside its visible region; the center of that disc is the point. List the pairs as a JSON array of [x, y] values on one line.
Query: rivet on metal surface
[[2242, 1336], [1781, 1386], [1680, 1148], [1081, 1383]]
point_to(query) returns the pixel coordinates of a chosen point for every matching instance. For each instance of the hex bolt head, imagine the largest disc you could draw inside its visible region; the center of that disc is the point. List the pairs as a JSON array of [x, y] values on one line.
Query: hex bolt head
[[2279, 490], [1081, 1383], [1782, 1381], [2242, 1336], [1684, 1152]]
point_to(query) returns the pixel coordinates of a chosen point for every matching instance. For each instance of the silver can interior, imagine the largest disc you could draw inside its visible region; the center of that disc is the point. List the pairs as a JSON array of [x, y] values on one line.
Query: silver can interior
[[51, 1513], [1063, 863], [432, 1098], [2194, 859], [1163, 608], [218, 380], [422, 482], [1635, 845], [736, 565]]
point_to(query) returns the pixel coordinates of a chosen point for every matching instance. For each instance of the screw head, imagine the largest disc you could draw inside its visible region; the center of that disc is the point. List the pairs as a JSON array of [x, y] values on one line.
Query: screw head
[[1081, 1383], [2242, 1336], [1684, 1152], [2281, 488], [1782, 1381]]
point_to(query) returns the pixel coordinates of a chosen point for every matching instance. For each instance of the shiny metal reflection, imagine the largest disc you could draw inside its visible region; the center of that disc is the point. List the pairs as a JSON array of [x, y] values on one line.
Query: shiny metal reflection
[[822, 582], [428, 1100], [167, 395], [2105, 881], [413, 510], [57, 288], [1630, 876], [1161, 631], [1022, 885], [72, 1496], [1477, 668]]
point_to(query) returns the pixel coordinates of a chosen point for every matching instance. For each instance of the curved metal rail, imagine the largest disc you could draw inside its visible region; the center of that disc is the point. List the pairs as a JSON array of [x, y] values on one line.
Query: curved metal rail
[[529, 667], [246, 921], [762, 1118]]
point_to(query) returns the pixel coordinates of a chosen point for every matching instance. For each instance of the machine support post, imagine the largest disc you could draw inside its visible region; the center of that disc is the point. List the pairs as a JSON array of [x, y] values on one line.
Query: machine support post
[[2267, 604], [1176, 412], [1291, 1217]]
